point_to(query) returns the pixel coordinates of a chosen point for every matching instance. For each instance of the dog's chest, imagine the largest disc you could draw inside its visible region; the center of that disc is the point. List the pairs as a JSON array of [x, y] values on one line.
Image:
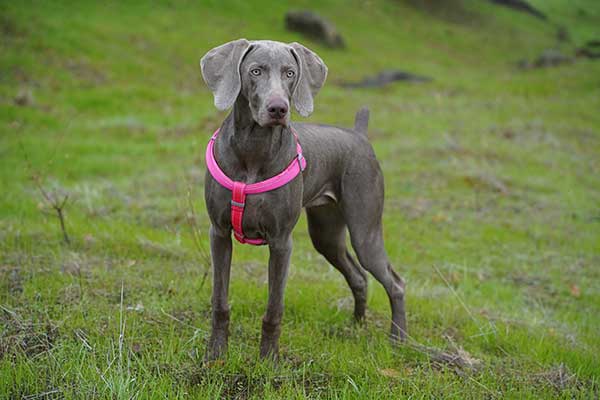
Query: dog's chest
[[265, 214]]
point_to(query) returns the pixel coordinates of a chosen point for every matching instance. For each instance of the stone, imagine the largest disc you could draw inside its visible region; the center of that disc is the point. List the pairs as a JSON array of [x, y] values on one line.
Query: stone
[[386, 77], [315, 27]]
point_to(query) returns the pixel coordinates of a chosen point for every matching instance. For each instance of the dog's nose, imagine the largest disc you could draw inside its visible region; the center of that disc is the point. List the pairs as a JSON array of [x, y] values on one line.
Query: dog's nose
[[277, 109]]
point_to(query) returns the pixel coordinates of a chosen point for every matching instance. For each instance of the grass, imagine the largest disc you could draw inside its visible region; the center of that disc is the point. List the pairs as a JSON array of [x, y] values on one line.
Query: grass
[[492, 207]]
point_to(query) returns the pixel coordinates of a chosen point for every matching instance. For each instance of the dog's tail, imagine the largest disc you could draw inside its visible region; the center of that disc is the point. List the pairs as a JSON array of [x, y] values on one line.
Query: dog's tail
[[361, 121]]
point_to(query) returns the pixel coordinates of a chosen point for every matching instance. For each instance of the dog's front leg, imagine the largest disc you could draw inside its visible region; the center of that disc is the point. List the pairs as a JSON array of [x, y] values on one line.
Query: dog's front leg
[[220, 248], [279, 261]]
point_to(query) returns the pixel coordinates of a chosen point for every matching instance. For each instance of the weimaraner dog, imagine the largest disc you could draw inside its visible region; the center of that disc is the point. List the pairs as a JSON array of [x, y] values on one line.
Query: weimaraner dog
[[341, 186]]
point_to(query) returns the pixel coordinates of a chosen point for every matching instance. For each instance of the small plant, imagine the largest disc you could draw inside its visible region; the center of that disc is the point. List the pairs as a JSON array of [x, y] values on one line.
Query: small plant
[[57, 201], [55, 198]]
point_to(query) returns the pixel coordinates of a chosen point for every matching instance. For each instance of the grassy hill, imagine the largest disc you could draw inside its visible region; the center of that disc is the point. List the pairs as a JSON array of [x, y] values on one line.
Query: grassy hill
[[492, 205]]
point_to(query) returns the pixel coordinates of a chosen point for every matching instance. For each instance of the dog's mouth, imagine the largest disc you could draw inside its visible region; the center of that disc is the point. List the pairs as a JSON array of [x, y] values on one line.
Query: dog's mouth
[[276, 122]]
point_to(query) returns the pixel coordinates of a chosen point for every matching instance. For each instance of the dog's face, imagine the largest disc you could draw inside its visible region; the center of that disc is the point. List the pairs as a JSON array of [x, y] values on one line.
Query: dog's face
[[268, 75]]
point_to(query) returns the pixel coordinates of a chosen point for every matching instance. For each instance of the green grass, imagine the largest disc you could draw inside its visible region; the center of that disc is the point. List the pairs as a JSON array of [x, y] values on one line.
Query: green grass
[[492, 206]]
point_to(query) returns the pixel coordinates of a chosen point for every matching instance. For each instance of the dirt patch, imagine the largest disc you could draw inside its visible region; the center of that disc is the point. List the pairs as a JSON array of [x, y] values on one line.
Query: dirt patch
[[241, 385], [19, 336], [10, 29], [458, 360], [85, 72], [454, 358], [24, 97], [538, 288], [559, 378]]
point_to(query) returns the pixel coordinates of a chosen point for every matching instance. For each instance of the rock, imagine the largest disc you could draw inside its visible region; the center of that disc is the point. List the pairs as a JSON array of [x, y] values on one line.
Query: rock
[[523, 64], [24, 98], [548, 58], [562, 34], [521, 5], [551, 58], [590, 49], [315, 27], [386, 77]]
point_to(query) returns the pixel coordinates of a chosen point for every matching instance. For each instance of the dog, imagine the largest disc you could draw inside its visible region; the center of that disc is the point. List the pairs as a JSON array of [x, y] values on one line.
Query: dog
[[337, 179]]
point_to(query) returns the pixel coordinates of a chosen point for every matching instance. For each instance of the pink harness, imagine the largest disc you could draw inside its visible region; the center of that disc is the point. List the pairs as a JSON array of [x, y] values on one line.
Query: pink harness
[[239, 190]]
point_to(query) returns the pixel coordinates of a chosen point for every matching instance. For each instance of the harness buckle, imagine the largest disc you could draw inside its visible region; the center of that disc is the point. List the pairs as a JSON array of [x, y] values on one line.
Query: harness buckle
[[238, 204], [300, 157]]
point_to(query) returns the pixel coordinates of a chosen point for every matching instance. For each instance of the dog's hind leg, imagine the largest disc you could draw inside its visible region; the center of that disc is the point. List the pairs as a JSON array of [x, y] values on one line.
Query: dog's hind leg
[[328, 233], [362, 205]]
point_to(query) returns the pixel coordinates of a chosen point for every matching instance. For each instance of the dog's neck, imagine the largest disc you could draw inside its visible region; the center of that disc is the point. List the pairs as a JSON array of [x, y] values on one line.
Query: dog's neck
[[256, 149]]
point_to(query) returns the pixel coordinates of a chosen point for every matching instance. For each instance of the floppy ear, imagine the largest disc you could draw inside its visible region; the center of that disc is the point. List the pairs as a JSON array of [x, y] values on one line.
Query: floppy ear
[[313, 72], [221, 71]]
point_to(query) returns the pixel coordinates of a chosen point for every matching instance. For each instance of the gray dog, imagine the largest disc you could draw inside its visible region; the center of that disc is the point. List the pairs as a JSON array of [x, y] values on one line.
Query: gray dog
[[341, 186]]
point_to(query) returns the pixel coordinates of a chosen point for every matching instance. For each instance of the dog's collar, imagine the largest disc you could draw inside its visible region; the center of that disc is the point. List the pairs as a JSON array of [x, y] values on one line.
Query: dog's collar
[[239, 190]]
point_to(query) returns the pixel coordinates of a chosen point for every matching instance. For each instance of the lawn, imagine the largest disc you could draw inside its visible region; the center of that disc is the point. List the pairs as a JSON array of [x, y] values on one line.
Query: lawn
[[492, 208]]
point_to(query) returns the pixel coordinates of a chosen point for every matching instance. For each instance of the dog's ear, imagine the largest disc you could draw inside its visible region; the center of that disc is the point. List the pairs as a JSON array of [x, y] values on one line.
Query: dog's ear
[[221, 71], [311, 77]]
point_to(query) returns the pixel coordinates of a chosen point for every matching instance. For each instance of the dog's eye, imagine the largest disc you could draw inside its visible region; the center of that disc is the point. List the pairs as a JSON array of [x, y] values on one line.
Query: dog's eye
[[256, 71], [290, 74]]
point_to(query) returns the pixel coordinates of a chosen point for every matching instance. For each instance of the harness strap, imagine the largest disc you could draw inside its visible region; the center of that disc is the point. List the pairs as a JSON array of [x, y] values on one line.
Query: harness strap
[[239, 190], [238, 202]]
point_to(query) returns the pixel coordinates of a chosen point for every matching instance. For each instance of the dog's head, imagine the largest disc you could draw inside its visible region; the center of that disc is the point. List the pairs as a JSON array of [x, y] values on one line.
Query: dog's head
[[269, 75]]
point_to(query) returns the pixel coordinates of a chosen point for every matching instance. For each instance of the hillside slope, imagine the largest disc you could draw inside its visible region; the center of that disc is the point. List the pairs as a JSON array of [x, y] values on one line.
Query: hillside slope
[[492, 191]]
